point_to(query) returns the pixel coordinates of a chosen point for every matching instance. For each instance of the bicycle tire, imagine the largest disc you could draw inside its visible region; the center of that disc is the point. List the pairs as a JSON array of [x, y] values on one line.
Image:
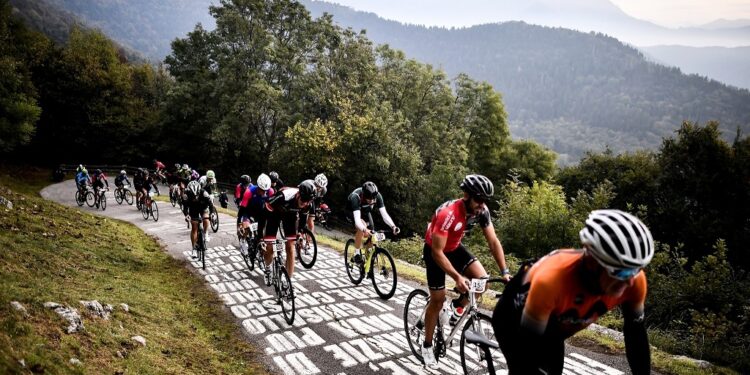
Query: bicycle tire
[[285, 289], [260, 248], [172, 198], [379, 263], [119, 196], [303, 247], [144, 211], [414, 324], [90, 199], [79, 199], [248, 256], [154, 211], [484, 364], [201, 245], [355, 270], [213, 217], [128, 197], [103, 201]]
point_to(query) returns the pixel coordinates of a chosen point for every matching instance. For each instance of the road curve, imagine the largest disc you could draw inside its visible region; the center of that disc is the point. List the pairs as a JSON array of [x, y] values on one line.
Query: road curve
[[339, 329]]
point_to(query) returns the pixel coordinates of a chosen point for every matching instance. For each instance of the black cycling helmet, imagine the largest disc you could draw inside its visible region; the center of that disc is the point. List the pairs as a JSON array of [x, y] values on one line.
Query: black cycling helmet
[[306, 190], [274, 176], [98, 171], [478, 186], [369, 190], [245, 179]]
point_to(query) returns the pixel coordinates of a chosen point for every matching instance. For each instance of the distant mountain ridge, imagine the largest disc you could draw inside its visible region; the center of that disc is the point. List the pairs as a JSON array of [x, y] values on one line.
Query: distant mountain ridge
[[731, 65]]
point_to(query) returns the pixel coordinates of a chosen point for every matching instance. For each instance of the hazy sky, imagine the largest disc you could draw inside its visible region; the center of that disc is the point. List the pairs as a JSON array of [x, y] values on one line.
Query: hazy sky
[[671, 13]]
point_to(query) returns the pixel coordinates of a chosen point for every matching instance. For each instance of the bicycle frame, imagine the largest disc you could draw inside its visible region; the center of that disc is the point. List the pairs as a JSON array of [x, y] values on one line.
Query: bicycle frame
[[368, 245]]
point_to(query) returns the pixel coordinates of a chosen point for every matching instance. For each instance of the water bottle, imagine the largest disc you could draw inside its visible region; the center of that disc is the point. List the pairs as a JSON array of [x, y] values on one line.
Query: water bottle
[[445, 314], [457, 310]]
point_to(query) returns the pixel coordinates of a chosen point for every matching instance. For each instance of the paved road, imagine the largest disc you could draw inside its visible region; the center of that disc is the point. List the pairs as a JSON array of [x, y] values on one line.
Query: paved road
[[339, 328]]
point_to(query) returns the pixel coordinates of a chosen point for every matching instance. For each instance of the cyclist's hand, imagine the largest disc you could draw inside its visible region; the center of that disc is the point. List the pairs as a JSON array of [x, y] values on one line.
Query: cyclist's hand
[[367, 232], [396, 230], [462, 285], [506, 278]]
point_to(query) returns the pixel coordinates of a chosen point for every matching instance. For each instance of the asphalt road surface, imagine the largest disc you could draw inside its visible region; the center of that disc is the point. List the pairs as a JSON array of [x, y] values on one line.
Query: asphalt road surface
[[339, 328]]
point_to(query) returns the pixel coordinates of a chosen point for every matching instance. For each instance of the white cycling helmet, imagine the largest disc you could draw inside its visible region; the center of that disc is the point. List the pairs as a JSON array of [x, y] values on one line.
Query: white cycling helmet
[[321, 180], [264, 182], [194, 187], [122, 172], [618, 239]]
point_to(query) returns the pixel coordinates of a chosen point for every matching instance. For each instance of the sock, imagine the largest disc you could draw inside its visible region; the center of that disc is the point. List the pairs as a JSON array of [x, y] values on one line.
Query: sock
[[426, 345]]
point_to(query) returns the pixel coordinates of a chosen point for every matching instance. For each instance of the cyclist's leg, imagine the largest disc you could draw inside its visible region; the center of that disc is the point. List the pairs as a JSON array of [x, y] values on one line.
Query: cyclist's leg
[[358, 234], [193, 225], [269, 237], [290, 230], [206, 221], [311, 222], [468, 265], [436, 282]]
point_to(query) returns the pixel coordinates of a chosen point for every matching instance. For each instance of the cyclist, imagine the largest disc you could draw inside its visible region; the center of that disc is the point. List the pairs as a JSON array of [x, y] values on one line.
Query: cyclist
[[196, 202], [283, 209], [251, 205], [194, 175], [173, 180], [321, 181], [82, 178], [146, 184], [99, 181], [444, 253], [208, 182], [361, 201], [122, 179], [569, 289], [276, 182], [158, 166], [239, 190]]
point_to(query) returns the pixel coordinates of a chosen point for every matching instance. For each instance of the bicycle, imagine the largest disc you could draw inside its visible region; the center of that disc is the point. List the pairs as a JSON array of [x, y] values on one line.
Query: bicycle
[[201, 246], [281, 282], [255, 248], [149, 207], [306, 245], [213, 216], [478, 350], [100, 199], [377, 264], [123, 193], [82, 196]]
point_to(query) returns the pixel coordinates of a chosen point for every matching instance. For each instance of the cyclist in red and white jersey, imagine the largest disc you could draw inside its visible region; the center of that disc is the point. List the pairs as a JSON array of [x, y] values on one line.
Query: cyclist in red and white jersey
[[444, 254]]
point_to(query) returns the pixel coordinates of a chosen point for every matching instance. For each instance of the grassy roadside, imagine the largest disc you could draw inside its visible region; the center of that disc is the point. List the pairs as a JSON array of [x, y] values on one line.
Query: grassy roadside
[[52, 253]]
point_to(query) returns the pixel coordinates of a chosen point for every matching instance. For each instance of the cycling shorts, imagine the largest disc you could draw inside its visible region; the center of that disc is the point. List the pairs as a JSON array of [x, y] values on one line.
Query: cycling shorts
[[196, 212], [274, 220], [460, 259]]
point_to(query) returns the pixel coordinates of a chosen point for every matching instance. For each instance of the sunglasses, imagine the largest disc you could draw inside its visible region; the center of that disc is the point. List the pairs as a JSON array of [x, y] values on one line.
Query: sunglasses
[[622, 274], [479, 200]]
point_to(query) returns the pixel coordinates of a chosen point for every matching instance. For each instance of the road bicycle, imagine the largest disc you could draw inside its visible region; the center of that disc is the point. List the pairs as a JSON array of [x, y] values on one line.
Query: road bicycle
[[200, 243], [250, 247], [373, 261], [123, 194], [479, 350], [149, 207], [100, 199], [281, 282]]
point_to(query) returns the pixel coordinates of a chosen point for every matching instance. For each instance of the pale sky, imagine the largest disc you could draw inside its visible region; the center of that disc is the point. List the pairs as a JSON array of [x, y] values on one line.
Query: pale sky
[[670, 13]]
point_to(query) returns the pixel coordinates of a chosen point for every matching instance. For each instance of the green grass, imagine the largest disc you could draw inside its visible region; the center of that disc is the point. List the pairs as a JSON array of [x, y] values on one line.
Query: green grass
[[52, 253]]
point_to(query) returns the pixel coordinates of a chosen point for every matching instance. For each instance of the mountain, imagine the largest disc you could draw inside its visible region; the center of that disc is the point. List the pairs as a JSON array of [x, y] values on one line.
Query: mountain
[[572, 91], [726, 24], [730, 65]]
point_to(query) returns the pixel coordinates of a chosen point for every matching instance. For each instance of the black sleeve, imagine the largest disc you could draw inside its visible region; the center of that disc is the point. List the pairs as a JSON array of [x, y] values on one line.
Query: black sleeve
[[637, 349], [484, 218]]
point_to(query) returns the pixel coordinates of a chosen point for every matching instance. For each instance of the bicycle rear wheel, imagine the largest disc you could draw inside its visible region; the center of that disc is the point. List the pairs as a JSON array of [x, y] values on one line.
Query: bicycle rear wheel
[[384, 276], [214, 218], [172, 198], [307, 248], [80, 200], [354, 263], [154, 211], [128, 197], [286, 296], [414, 310], [474, 359]]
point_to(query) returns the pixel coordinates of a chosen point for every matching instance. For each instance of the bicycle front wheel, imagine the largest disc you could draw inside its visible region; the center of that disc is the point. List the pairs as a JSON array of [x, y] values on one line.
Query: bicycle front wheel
[[103, 201], [414, 310], [249, 255], [214, 218], [173, 198], [383, 270], [128, 197], [474, 358], [90, 199], [118, 196], [307, 248], [286, 295], [144, 211], [354, 263], [154, 211], [202, 246]]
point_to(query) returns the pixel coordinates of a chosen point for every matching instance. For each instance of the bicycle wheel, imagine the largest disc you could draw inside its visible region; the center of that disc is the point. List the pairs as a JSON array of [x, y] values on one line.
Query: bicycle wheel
[[307, 248], [249, 255], [128, 197], [286, 295], [144, 211], [80, 200], [103, 201], [119, 196], [213, 216], [383, 270], [172, 198], [474, 359], [139, 203], [90, 199], [414, 310], [201, 245], [260, 249], [354, 263], [154, 211]]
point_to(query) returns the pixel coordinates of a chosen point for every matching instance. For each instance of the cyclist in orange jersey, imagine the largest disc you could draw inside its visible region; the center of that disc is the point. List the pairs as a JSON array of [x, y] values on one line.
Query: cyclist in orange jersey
[[567, 290]]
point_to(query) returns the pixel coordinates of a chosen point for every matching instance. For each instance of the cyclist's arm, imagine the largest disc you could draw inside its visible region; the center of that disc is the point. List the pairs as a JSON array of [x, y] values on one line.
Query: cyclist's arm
[[496, 248], [637, 348], [358, 222], [386, 218], [438, 246]]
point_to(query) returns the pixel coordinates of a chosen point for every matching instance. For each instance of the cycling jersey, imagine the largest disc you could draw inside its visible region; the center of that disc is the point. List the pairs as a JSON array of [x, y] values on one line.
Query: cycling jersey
[[121, 180], [82, 179], [284, 201], [357, 202], [159, 165], [282, 209], [254, 197], [99, 180], [450, 221], [197, 205]]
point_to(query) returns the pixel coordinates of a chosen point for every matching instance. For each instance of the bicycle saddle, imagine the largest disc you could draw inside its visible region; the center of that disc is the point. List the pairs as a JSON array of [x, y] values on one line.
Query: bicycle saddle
[[473, 337]]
